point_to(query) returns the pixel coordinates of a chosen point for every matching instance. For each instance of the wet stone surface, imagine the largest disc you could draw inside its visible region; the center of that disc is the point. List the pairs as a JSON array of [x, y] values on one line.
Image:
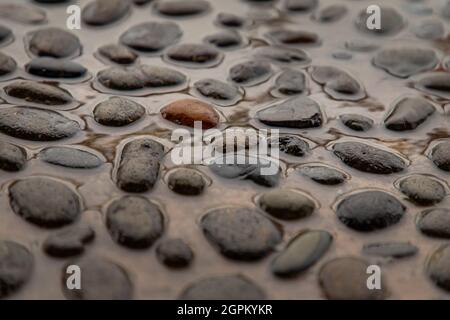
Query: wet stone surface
[[221, 93], [102, 279], [369, 210], [287, 204], [405, 61], [151, 37], [54, 42], [408, 114], [12, 158], [134, 222], [174, 253], [423, 190], [390, 249], [45, 202], [435, 222], [16, 267], [323, 174], [88, 116], [346, 279], [70, 157], [291, 83], [55, 68], [250, 73], [298, 112], [438, 267], [139, 165], [240, 233], [228, 287], [36, 124], [103, 12], [68, 242], [301, 253], [186, 181], [356, 122], [368, 158], [118, 112], [38, 92]]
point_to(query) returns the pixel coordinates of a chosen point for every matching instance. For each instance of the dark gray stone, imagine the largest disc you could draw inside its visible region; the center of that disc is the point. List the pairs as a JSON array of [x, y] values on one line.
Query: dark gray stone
[[70, 158], [118, 112], [287, 204]]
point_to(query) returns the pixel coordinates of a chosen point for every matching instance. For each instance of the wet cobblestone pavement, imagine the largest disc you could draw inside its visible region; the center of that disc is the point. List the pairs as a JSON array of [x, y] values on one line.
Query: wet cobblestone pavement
[[86, 176]]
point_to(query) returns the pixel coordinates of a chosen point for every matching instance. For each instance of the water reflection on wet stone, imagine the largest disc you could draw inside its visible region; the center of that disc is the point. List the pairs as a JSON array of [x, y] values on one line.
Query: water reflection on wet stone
[[86, 172]]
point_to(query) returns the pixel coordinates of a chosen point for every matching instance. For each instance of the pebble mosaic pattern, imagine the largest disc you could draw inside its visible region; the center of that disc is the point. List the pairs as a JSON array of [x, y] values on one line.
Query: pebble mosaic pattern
[[86, 177]]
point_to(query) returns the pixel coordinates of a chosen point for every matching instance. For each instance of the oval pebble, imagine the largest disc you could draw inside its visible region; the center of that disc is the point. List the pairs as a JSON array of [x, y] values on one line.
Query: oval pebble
[[186, 181], [287, 204], [118, 112], [186, 112], [70, 157], [438, 267], [139, 165], [302, 252], [404, 62], [390, 249], [291, 82], [391, 22], [16, 267], [368, 158], [22, 13], [225, 40], [240, 233], [12, 158], [297, 112], [69, 241], [221, 93], [440, 155], [409, 113], [434, 83], [134, 222], [331, 13], [117, 53], [430, 29], [193, 55], [37, 92], [103, 12], [182, 8], [369, 210], [54, 42], [288, 37], [282, 56], [250, 73], [422, 190], [55, 68], [230, 20], [356, 122], [45, 202], [346, 279], [174, 253], [300, 6], [293, 145], [323, 174], [151, 37], [435, 222], [7, 64], [36, 124], [228, 287], [102, 279]]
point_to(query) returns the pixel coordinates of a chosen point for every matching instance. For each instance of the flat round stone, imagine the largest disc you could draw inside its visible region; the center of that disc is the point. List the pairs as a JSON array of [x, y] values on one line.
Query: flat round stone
[[36, 124], [422, 189], [55, 68], [440, 155], [118, 53], [323, 174], [228, 287], [438, 267], [367, 158], [38, 92], [118, 112], [103, 12], [45, 202], [102, 279], [435, 222], [7, 64], [301, 253], [151, 37], [12, 158], [346, 279], [186, 112], [356, 122], [287, 204], [186, 181], [251, 73], [16, 267], [370, 210], [54, 42], [391, 22], [182, 8], [193, 55], [70, 157], [174, 253], [134, 222], [69, 241]]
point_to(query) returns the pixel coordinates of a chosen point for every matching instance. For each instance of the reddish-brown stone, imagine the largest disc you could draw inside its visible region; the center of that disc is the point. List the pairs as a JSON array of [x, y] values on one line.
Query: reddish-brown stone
[[186, 111]]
